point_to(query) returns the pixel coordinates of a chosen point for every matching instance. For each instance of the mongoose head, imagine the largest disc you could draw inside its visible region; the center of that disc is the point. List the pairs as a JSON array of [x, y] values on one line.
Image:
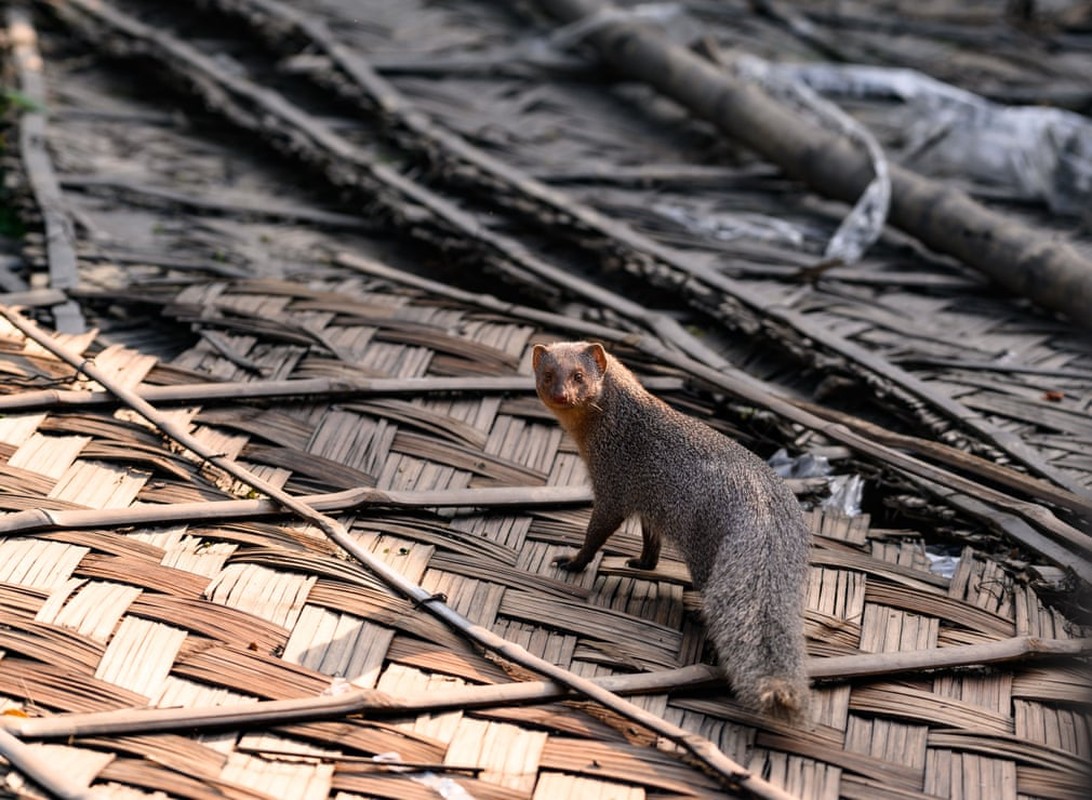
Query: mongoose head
[[569, 375]]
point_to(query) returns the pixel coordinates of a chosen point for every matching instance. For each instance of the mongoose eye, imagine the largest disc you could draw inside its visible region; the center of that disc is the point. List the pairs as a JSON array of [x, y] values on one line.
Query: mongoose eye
[[548, 375], [578, 376]]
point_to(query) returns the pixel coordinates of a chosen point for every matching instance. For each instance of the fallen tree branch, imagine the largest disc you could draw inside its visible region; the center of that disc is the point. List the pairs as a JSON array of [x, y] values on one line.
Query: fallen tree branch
[[701, 748], [1024, 261]]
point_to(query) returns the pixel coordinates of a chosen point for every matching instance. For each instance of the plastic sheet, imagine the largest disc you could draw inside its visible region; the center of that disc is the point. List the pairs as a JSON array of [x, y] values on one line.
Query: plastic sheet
[[864, 223], [804, 465], [1036, 153], [943, 559], [845, 490]]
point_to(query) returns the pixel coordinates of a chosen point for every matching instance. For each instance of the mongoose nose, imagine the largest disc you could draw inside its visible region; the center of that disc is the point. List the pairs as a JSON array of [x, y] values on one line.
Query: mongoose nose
[[558, 399]]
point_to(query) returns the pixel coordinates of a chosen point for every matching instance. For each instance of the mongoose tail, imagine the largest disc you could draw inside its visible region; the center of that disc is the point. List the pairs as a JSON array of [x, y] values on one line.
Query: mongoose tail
[[780, 698], [735, 522]]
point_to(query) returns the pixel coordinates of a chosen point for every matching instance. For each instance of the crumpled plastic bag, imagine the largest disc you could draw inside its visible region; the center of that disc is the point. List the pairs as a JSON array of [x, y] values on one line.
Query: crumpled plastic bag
[[1036, 153]]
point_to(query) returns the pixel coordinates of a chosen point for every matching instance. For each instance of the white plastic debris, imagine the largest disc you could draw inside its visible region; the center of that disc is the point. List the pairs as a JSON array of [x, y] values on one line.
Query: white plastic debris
[[845, 490], [864, 223], [804, 465], [1036, 153], [941, 561], [845, 495]]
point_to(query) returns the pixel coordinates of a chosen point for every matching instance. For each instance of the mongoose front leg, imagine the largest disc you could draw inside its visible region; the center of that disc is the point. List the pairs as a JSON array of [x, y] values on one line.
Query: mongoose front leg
[[650, 548], [604, 521]]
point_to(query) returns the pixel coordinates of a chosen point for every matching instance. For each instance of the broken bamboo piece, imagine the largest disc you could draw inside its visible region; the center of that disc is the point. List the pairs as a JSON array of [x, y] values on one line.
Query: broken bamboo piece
[[40, 769]]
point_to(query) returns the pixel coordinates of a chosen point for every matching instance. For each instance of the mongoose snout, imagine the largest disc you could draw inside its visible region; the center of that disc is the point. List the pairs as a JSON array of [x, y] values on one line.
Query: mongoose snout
[[735, 521]]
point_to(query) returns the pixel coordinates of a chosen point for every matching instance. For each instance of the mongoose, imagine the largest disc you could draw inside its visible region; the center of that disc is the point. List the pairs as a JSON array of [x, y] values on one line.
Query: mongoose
[[735, 521]]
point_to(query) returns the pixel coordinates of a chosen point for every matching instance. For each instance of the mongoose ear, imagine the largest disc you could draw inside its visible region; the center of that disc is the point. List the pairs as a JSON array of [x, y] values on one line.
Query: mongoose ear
[[600, 355], [537, 352]]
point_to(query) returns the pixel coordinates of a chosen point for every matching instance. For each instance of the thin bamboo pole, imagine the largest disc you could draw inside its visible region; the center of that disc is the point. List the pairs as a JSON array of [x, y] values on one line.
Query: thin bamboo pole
[[378, 704]]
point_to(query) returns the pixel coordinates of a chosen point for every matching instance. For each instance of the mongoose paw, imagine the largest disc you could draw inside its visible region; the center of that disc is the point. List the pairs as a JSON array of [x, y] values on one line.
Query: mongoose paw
[[569, 564], [637, 563]]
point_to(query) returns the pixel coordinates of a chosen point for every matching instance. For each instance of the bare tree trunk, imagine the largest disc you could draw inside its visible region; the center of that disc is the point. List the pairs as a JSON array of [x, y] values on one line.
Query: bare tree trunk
[[1026, 262]]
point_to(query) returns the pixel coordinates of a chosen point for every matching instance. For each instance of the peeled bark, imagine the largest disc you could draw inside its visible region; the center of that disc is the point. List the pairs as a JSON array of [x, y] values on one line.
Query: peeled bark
[[1024, 261]]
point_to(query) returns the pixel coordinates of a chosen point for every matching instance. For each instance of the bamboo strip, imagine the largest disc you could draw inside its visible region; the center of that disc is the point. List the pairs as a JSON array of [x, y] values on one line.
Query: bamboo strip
[[1016, 649]]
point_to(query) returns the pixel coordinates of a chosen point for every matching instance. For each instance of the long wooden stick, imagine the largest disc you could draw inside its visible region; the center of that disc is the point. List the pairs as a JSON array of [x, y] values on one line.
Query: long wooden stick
[[860, 665], [41, 399], [374, 703], [371, 702], [699, 746], [42, 519]]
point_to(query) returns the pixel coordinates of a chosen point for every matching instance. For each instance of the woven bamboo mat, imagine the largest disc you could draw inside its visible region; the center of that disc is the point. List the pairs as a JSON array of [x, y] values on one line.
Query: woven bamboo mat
[[198, 614]]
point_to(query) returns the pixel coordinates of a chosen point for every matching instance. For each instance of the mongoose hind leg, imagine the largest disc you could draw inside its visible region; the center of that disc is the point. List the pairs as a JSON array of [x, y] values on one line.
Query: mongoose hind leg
[[650, 547], [604, 521]]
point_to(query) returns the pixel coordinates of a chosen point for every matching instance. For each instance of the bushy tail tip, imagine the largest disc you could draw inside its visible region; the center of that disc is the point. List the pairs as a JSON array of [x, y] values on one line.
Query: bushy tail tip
[[782, 699]]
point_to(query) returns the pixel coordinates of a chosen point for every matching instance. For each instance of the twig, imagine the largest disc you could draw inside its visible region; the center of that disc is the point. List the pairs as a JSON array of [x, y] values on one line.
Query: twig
[[700, 747], [60, 238]]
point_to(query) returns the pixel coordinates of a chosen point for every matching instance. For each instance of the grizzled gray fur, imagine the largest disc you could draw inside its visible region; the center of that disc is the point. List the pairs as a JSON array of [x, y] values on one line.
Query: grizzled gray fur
[[735, 521]]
